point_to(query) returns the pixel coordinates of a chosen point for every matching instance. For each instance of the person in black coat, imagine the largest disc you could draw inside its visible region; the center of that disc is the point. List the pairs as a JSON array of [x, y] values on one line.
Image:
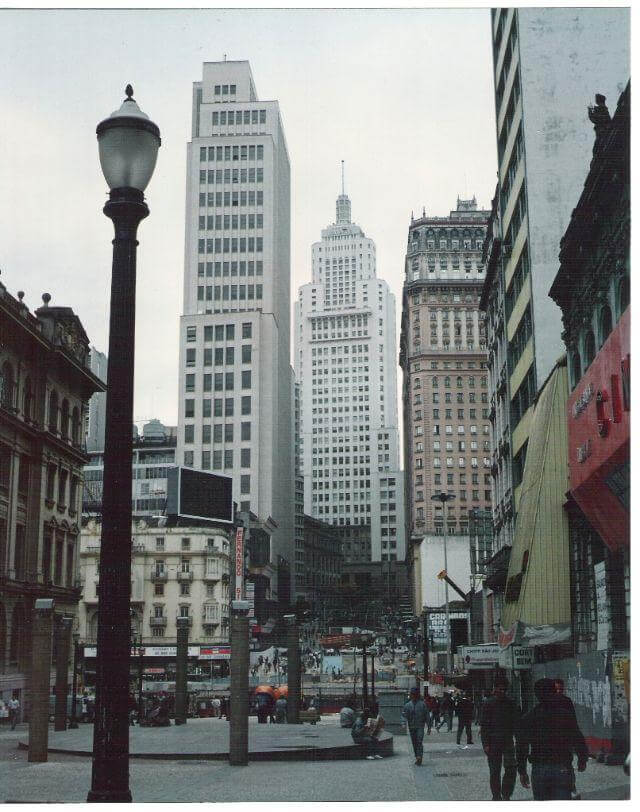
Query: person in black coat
[[498, 721], [464, 712], [549, 736]]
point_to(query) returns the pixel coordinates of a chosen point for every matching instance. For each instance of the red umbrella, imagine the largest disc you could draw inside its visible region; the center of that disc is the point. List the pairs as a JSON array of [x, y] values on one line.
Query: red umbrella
[[266, 689], [282, 690]]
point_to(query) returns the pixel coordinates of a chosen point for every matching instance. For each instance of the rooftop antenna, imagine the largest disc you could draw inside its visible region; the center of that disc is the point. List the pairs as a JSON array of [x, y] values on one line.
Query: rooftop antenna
[[342, 177], [225, 57]]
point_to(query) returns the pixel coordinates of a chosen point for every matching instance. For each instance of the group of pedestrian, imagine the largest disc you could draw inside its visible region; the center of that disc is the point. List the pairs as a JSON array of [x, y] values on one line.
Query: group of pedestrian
[[547, 737]]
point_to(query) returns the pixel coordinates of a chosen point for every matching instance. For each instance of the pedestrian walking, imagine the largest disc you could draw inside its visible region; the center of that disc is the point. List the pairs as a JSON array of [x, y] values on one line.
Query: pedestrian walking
[[416, 715], [435, 712], [548, 736], [446, 712], [498, 722], [347, 715], [568, 703], [431, 709], [14, 711], [464, 712]]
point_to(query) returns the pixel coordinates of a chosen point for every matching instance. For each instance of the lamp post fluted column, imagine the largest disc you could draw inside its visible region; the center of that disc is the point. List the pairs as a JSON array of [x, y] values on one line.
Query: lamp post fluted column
[[128, 143]]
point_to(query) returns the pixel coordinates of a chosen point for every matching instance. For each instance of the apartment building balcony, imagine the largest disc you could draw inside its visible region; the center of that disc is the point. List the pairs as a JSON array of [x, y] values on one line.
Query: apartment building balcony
[[188, 618], [211, 576], [185, 575], [157, 622], [159, 576]]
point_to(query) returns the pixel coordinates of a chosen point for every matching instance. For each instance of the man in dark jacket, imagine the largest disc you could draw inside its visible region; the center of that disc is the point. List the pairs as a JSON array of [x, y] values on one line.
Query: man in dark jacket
[[549, 736], [497, 727], [464, 712]]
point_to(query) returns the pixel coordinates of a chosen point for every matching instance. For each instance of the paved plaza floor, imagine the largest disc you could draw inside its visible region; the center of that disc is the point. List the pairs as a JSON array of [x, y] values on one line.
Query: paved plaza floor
[[448, 773], [209, 739]]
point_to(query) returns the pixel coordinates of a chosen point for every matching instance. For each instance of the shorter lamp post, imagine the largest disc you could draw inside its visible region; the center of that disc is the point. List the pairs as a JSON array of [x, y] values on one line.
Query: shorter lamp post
[[73, 722], [443, 498]]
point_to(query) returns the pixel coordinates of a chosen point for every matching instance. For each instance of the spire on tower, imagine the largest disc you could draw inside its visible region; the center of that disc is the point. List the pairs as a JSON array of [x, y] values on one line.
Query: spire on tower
[[343, 204]]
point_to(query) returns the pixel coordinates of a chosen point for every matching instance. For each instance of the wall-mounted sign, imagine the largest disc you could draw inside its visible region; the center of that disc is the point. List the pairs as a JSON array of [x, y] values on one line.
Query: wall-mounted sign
[[149, 651], [239, 564], [602, 606], [516, 658], [215, 652], [480, 657]]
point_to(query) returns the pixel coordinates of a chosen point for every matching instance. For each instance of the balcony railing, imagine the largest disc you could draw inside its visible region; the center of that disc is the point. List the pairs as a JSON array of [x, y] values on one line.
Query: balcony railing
[[159, 575], [155, 622], [185, 575], [188, 618]]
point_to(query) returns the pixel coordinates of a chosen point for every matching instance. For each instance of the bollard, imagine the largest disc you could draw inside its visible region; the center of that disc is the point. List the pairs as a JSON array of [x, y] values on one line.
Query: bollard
[[182, 648], [293, 671], [62, 631], [40, 679], [239, 722]]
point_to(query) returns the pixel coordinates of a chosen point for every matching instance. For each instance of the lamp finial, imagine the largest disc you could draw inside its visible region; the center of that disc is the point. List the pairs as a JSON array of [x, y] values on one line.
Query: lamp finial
[[129, 91]]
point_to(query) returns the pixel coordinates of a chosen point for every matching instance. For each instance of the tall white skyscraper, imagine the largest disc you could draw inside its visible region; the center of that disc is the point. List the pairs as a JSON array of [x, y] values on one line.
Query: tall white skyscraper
[[345, 361], [236, 380]]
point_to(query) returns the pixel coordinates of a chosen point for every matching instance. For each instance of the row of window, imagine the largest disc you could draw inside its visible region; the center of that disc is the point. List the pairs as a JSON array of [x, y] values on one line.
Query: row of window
[[222, 332], [221, 381], [234, 222], [524, 397], [231, 268], [230, 245], [460, 398], [250, 152], [219, 117], [221, 356], [251, 175], [226, 293], [520, 339], [462, 495], [220, 430], [241, 198], [518, 280]]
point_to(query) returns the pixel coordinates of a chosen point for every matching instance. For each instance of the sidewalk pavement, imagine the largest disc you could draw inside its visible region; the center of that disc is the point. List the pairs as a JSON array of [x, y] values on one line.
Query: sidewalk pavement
[[448, 773]]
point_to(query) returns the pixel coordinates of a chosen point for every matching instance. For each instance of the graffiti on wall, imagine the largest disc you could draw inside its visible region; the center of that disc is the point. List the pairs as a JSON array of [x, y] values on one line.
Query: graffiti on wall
[[593, 694]]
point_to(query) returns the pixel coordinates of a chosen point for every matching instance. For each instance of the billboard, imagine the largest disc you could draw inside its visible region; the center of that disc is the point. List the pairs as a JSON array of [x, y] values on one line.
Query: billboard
[[199, 495]]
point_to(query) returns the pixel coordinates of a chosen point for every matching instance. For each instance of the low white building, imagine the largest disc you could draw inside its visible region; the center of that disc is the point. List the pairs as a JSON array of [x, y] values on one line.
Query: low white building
[[175, 572]]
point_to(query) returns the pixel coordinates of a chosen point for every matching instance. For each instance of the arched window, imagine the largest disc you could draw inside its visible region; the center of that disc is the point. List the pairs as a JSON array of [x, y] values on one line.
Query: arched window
[[6, 385], [93, 627], [589, 349], [53, 412], [27, 400], [623, 295], [64, 420], [605, 324], [75, 426], [434, 382], [576, 371], [459, 381]]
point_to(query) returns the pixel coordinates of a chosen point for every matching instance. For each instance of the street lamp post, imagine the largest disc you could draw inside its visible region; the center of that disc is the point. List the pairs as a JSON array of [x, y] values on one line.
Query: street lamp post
[[128, 145], [73, 722], [443, 498]]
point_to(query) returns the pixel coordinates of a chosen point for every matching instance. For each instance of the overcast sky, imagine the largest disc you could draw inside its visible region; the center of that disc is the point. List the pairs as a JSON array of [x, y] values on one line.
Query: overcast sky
[[404, 97]]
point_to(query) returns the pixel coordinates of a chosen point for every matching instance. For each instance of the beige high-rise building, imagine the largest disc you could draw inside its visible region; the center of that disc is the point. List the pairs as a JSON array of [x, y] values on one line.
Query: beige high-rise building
[[443, 358]]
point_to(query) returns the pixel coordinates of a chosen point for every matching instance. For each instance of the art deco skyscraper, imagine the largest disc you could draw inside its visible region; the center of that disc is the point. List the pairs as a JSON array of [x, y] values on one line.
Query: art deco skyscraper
[[345, 360], [236, 381]]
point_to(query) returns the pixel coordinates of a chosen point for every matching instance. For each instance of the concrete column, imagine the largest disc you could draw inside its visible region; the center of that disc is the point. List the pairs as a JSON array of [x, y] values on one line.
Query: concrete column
[[42, 630], [63, 640], [293, 670], [239, 723], [182, 624]]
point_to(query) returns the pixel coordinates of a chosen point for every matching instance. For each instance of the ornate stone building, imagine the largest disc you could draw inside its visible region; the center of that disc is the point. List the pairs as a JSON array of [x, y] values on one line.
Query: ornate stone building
[[45, 386]]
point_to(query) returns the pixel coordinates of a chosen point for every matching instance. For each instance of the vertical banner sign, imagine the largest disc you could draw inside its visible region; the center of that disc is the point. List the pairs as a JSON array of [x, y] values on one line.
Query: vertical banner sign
[[239, 564], [602, 607]]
